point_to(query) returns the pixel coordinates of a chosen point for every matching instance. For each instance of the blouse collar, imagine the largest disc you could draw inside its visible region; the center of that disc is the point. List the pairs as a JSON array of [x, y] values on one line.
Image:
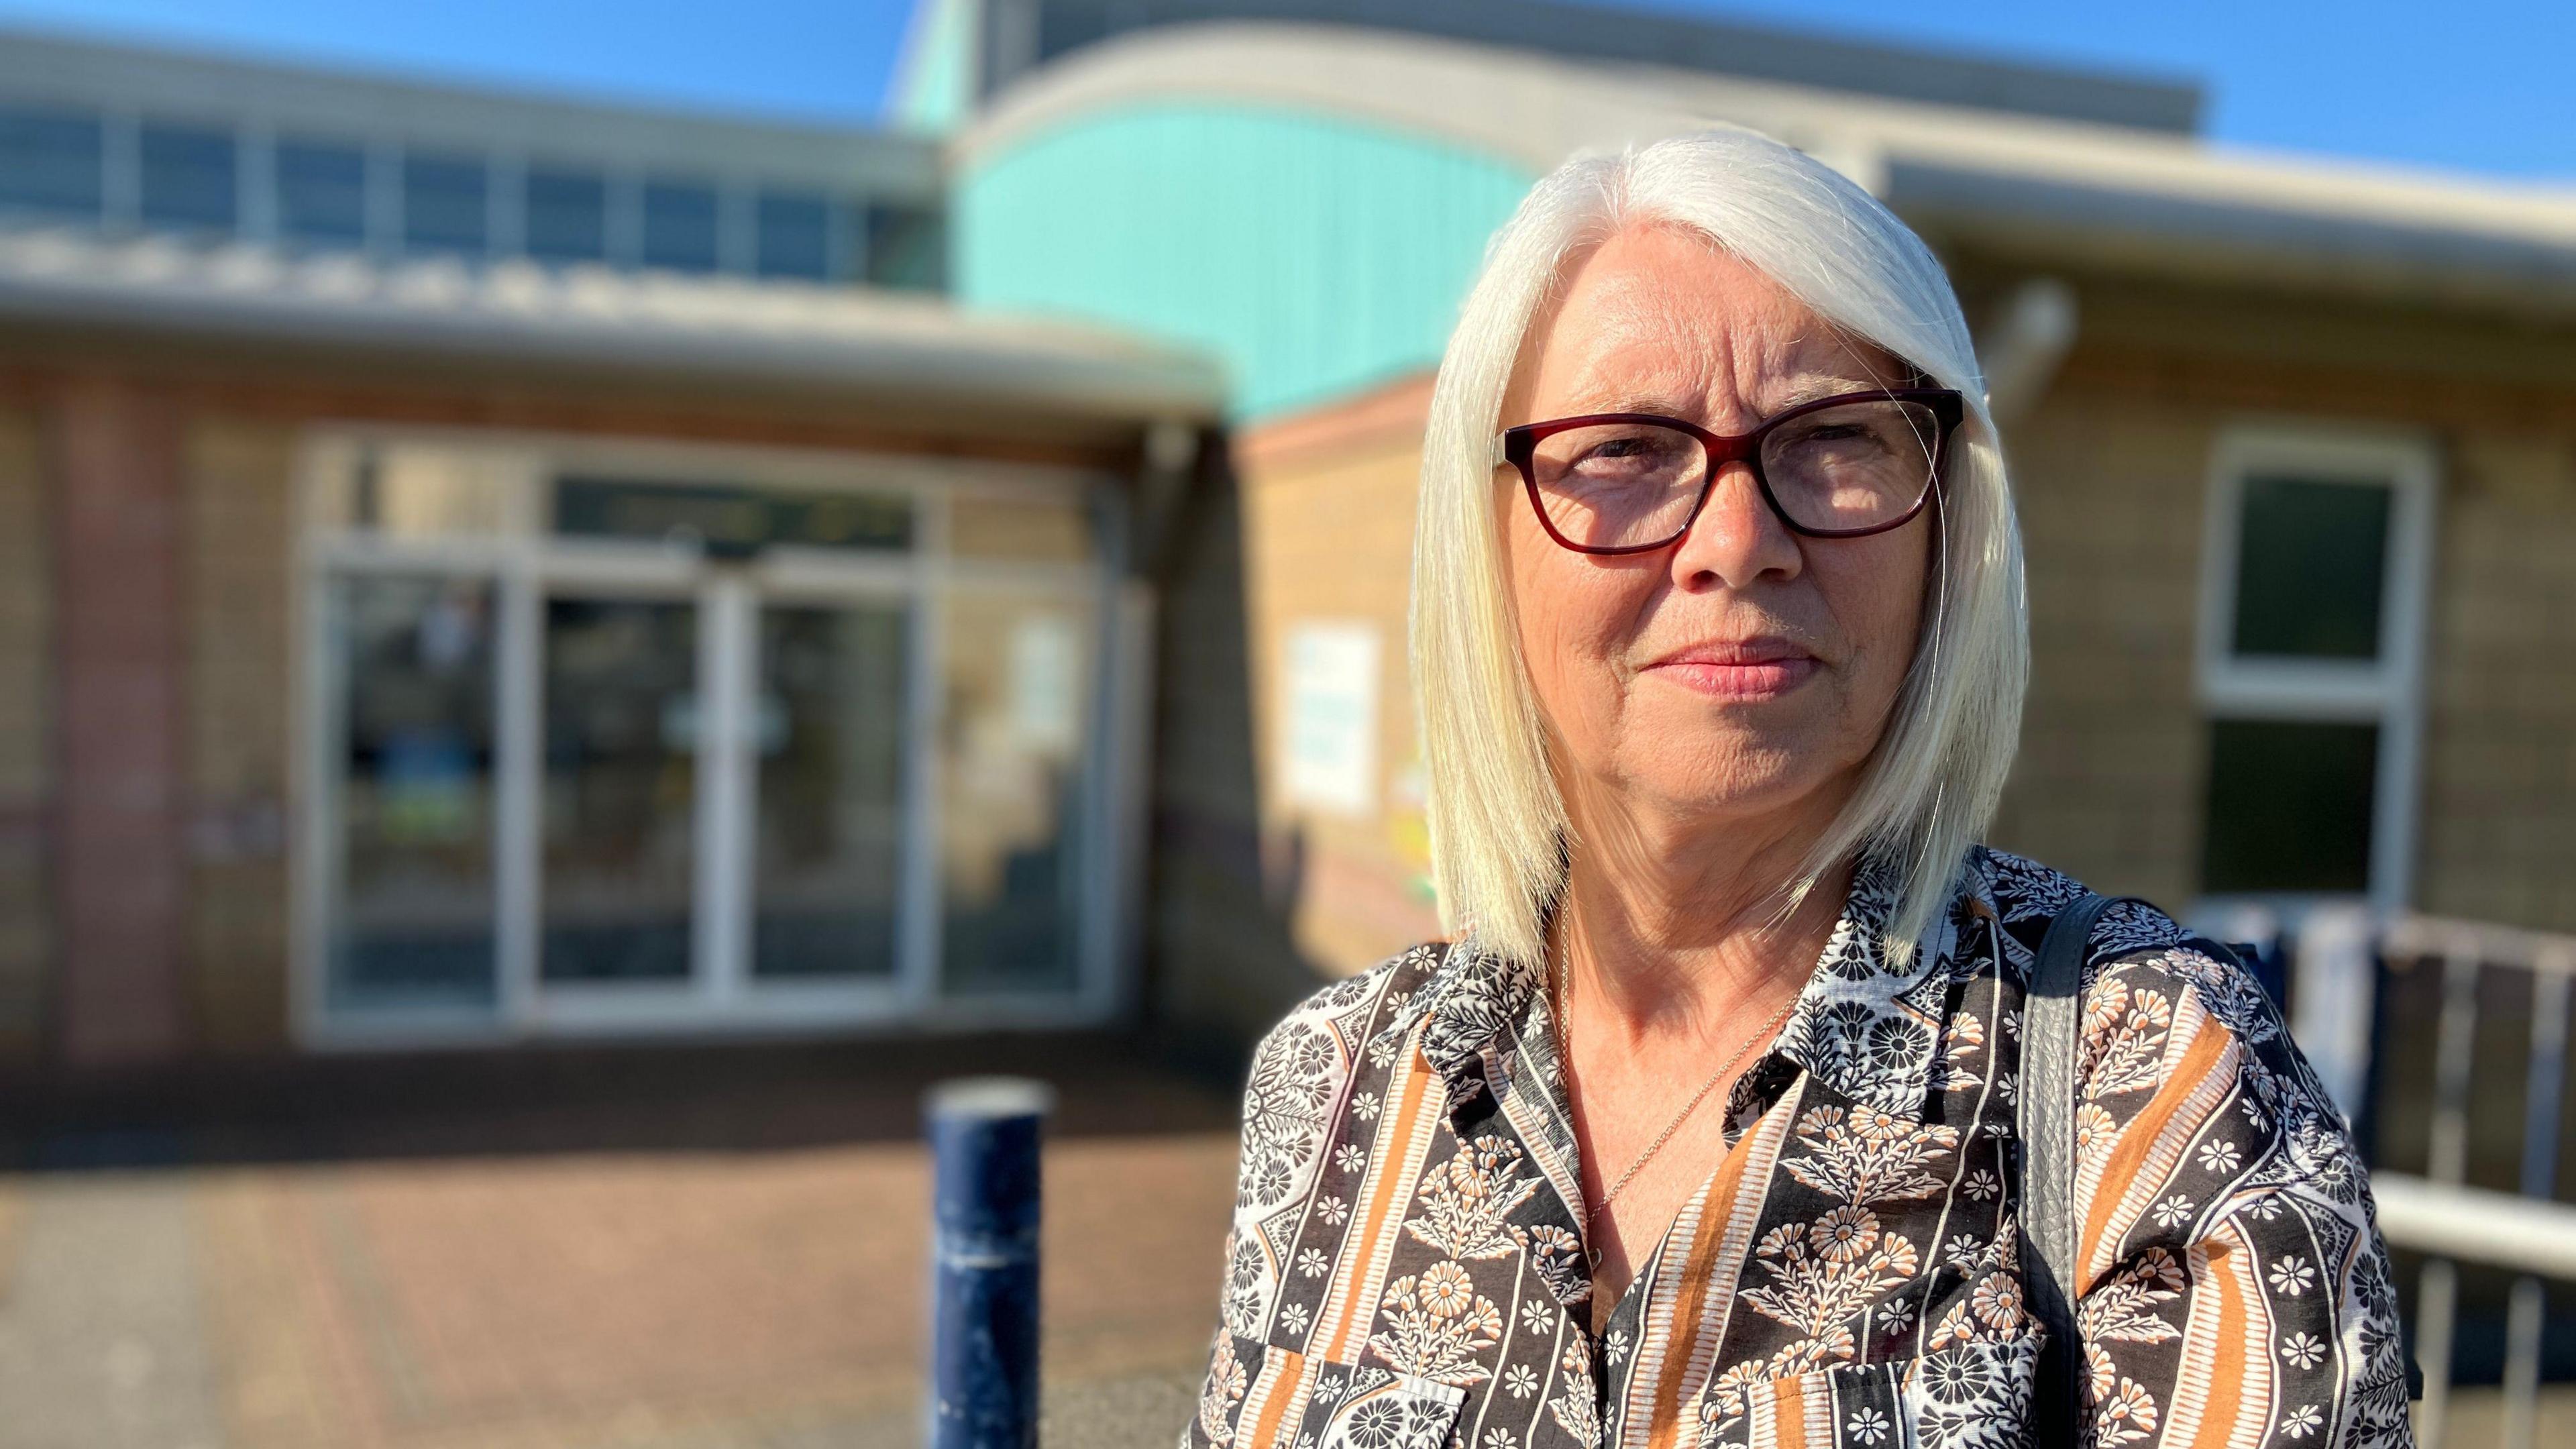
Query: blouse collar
[[1864, 1025]]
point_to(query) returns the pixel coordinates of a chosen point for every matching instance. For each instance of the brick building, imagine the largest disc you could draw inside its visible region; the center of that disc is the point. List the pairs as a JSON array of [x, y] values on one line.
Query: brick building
[[2295, 442], [476, 568]]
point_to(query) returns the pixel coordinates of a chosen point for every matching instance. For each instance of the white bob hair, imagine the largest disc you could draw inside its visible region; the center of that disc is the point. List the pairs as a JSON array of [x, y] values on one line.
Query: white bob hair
[[1500, 837]]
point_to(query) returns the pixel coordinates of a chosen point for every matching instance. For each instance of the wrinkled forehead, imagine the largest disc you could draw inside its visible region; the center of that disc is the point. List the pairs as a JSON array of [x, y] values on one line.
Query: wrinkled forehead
[[1660, 319]]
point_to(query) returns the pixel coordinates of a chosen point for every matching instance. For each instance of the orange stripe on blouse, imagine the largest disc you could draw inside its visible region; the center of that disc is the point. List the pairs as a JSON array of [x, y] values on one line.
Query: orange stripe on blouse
[[2234, 1357], [1398, 1160], [2209, 1048], [1704, 1296], [1285, 1389], [1788, 1415], [1799, 1410]]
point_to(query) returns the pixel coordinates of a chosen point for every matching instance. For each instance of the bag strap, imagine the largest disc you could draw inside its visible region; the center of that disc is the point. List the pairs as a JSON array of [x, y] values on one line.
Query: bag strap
[[2051, 1040]]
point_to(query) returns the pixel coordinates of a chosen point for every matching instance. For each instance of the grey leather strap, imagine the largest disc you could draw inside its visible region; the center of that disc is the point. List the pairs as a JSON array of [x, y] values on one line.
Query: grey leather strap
[[2051, 1037]]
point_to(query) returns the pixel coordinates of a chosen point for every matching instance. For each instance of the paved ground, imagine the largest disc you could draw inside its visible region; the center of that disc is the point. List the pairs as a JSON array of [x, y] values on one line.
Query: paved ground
[[650, 1251]]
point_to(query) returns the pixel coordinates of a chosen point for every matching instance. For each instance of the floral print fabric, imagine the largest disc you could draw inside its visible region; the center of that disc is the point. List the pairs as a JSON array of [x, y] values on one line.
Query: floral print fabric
[[1406, 1266]]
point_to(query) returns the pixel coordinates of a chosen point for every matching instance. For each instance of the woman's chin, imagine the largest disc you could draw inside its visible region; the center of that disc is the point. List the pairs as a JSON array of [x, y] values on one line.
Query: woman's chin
[[1747, 779]]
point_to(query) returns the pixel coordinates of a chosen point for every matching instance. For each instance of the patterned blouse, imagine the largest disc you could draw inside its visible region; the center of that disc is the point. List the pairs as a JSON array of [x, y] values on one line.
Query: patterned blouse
[[1407, 1268]]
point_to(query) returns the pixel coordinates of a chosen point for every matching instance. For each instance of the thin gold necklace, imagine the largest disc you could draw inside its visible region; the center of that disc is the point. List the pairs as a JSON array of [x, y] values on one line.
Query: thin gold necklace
[[1565, 1066]]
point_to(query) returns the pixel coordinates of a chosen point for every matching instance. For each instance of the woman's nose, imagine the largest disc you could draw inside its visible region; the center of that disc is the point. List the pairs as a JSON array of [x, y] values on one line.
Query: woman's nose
[[1736, 538]]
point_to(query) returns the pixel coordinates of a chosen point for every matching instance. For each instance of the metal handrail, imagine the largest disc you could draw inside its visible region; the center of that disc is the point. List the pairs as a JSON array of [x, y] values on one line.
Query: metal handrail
[[2438, 1215], [2476, 1225]]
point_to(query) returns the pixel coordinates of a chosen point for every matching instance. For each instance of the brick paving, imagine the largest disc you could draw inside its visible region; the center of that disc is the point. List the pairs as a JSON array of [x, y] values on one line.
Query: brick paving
[[731, 1255]]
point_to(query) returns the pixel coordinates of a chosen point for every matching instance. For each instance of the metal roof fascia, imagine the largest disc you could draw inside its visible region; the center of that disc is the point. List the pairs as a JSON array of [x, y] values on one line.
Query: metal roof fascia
[[1115, 381], [2233, 239]]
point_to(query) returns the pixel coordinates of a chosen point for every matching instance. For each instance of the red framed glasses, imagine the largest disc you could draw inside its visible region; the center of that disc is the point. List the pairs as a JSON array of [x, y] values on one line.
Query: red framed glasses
[[1839, 467]]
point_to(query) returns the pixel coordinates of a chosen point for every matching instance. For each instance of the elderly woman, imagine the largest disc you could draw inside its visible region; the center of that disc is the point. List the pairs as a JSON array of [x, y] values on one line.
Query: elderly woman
[[1729, 1115]]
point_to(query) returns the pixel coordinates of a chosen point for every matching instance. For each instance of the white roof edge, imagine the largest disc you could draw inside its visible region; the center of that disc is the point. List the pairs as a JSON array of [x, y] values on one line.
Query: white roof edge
[[886, 344], [2087, 191]]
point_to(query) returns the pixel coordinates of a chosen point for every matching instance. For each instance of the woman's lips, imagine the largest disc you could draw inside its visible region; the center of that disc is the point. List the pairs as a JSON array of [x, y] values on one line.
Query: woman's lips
[[1750, 672]]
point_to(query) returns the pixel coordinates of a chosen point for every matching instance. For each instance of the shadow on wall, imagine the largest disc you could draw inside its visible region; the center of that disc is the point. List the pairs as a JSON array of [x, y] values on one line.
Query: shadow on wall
[[1222, 963]]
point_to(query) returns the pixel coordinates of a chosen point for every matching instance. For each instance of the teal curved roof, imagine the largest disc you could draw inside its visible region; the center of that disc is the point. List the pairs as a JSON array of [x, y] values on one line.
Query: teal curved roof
[[1317, 255], [1308, 202]]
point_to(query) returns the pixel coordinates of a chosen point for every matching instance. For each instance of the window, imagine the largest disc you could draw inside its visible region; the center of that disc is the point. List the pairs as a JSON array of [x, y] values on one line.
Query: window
[[727, 521], [52, 162], [444, 207], [1016, 676], [189, 178], [321, 193], [567, 215], [907, 247], [2310, 654], [795, 236], [411, 756], [680, 226]]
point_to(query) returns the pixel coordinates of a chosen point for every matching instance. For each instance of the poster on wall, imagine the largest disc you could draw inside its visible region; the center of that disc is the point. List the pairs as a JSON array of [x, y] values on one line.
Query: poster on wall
[[1330, 731]]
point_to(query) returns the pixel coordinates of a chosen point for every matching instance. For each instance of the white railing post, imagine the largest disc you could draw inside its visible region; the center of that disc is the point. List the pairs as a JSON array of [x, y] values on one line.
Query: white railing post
[[2333, 993], [2528, 1233], [2525, 1319], [2437, 1301]]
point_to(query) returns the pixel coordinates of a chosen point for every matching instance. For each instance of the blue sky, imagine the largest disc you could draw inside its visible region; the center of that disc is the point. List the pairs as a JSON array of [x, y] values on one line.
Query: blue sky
[[2479, 85]]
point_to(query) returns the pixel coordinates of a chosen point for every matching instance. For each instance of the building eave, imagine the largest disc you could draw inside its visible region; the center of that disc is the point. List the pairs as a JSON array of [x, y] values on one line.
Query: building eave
[[888, 347]]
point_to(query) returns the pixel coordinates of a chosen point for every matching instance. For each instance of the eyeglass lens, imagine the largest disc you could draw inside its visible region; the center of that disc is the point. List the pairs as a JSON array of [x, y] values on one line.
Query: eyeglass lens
[[1858, 465]]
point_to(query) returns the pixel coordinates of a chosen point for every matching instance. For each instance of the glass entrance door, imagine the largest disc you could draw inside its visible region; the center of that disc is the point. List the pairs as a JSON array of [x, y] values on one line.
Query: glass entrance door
[[409, 738], [722, 808], [830, 736], [618, 803], [622, 740]]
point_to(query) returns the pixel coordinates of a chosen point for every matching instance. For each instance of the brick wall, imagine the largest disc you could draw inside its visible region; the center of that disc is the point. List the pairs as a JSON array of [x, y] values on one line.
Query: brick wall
[[2109, 490], [2498, 839], [147, 659], [2114, 752], [2111, 470], [112, 462], [239, 578], [1328, 521], [1221, 964], [1257, 901]]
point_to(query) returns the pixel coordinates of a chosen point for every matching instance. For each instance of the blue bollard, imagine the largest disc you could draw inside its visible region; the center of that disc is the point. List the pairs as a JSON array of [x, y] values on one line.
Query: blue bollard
[[984, 1135]]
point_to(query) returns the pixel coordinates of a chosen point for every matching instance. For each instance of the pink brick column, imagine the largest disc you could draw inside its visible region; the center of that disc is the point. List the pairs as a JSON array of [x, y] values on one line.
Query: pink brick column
[[119, 863]]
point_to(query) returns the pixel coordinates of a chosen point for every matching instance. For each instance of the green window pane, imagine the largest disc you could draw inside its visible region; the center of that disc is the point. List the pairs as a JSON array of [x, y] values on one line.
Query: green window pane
[[2311, 567], [2290, 806]]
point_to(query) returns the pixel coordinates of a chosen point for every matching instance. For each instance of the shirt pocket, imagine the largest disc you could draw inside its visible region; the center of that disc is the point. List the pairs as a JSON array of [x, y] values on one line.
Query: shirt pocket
[[1955, 1394], [1383, 1410], [1303, 1403]]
